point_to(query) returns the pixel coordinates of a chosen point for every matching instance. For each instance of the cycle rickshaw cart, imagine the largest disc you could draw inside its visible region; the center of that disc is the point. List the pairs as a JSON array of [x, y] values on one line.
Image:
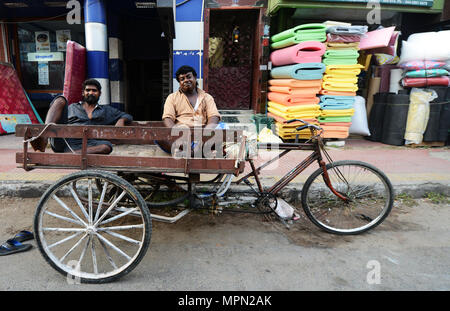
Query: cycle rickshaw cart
[[95, 224]]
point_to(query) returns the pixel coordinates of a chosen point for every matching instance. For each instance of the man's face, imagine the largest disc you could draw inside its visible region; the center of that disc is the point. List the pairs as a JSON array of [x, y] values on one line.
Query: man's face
[[91, 94], [187, 82]]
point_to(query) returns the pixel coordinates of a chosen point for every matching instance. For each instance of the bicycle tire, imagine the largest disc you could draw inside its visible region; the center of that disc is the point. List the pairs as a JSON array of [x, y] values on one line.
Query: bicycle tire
[[134, 226], [371, 198]]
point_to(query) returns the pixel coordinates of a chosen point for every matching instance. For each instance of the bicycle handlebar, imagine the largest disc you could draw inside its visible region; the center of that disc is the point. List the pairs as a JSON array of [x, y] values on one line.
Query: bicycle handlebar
[[307, 125]]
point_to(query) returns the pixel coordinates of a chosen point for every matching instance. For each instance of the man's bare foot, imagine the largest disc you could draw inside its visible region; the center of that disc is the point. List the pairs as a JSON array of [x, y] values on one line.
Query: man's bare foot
[[39, 144]]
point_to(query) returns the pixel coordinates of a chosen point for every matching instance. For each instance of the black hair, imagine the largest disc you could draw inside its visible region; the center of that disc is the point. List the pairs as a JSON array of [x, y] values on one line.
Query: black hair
[[184, 70], [92, 82]]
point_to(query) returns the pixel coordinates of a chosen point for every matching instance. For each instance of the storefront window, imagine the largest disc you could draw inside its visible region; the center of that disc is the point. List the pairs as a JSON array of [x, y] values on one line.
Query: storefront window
[[42, 47]]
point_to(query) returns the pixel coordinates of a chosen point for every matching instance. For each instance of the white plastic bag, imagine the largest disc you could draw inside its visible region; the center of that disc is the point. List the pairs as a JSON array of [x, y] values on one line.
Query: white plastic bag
[[284, 209], [359, 119]]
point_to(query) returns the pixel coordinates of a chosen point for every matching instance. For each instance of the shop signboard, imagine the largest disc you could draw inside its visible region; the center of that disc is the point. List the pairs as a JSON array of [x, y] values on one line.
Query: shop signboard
[[424, 3]]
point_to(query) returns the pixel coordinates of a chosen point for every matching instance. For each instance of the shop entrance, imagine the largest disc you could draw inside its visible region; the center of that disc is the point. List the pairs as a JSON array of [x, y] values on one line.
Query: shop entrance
[[229, 68], [146, 56]]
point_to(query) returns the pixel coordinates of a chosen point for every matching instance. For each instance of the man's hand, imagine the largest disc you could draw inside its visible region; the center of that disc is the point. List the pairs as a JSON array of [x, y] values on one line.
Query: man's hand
[[212, 123], [122, 122]]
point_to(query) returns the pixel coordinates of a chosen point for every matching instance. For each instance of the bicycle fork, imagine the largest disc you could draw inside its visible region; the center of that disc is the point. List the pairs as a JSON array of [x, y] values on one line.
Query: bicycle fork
[[326, 179]]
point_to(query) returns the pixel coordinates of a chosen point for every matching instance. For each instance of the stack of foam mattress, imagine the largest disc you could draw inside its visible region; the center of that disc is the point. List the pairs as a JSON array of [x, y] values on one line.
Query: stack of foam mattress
[[296, 80], [336, 115], [340, 81]]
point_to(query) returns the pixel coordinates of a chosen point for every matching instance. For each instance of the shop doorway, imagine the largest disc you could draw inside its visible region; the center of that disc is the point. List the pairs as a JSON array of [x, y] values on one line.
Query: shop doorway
[[230, 57], [146, 72]]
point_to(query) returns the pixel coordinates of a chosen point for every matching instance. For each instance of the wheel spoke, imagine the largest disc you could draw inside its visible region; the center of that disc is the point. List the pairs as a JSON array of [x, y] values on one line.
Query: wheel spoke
[[122, 227], [65, 240], [91, 217], [68, 209], [80, 205], [63, 218], [120, 236], [108, 256], [118, 250], [73, 248], [113, 205], [94, 257], [102, 198], [129, 211]]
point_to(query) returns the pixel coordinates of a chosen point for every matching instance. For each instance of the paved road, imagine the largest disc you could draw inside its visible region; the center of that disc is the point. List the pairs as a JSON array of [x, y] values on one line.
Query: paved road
[[409, 251]]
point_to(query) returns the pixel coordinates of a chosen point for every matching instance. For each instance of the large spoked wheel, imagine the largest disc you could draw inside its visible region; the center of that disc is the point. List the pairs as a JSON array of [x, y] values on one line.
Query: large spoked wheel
[[369, 191], [88, 237]]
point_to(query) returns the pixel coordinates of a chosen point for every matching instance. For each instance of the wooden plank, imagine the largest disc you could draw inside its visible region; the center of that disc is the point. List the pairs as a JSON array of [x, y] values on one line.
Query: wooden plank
[[131, 133], [125, 163], [428, 144]]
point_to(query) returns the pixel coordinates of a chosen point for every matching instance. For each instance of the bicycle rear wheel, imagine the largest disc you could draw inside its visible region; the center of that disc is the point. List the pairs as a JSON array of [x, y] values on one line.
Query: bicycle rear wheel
[[370, 194]]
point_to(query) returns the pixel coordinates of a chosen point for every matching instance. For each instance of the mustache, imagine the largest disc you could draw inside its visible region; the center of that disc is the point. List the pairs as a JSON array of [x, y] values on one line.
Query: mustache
[[90, 98]]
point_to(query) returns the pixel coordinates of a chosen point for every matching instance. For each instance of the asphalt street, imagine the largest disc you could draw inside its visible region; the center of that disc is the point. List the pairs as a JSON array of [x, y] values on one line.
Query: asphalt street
[[410, 250]]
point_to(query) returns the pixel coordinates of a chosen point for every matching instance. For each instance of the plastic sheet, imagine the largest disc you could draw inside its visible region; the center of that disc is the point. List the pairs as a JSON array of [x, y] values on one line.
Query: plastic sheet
[[426, 46], [418, 114]]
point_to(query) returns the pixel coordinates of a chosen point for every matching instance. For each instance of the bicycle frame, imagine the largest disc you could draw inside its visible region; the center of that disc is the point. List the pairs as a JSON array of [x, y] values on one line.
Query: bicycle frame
[[315, 145]]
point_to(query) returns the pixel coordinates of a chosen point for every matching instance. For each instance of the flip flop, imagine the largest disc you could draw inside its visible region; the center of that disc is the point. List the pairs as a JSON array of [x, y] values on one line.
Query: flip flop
[[11, 246], [23, 236]]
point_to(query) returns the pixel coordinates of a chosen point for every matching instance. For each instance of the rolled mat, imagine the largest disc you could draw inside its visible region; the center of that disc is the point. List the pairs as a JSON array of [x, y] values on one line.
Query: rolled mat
[[423, 82], [342, 45], [339, 54], [376, 116], [394, 120], [304, 52], [340, 61], [287, 99], [337, 106], [344, 69], [296, 91], [339, 93], [294, 83], [310, 114], [288, 109], [340, 78], [427, 64], [334, 99], [296, 123], [308, 71], [343, 38], [337, 113], [426, 73], [339, 86], [308, 31], [335, 132], [334, 119], [347, 30]]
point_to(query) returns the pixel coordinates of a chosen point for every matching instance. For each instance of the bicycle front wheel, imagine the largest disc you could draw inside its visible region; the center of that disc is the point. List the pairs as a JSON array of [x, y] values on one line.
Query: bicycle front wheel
[[369, 191]]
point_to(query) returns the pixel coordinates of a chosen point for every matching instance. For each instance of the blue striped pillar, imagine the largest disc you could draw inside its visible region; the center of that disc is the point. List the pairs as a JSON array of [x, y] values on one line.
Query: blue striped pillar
[[116, 65], [97, 45], [188, 44]]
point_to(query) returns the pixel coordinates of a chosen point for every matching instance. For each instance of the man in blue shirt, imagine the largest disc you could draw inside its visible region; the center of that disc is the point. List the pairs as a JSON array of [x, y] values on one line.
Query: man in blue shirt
[[85, 112]]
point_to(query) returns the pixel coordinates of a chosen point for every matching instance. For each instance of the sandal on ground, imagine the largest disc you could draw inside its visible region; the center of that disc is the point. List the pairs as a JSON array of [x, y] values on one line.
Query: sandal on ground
[[12, 246], [23, 236]]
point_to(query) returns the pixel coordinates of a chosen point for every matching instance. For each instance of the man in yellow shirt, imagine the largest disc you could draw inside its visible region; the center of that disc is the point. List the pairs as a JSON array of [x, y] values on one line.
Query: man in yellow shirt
[[189, 106]]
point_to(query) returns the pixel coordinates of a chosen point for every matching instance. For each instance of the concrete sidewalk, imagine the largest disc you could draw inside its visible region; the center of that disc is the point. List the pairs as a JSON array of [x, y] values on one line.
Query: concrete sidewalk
[[414, 171]]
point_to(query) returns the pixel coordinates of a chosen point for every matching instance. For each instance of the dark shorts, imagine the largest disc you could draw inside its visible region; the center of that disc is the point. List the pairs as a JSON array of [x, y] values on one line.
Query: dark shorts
[[60, 145]]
